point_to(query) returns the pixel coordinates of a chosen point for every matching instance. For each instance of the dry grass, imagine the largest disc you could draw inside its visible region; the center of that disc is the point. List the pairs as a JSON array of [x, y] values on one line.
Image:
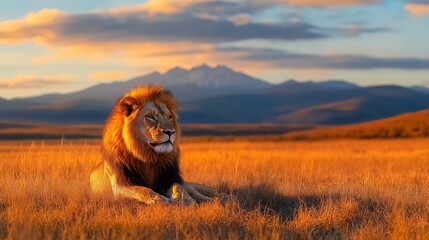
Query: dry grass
[[332, 189], [407, 125]]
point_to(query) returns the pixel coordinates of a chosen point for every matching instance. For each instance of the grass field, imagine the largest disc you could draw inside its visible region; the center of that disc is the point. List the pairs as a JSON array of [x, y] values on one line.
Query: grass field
[[352, 189]]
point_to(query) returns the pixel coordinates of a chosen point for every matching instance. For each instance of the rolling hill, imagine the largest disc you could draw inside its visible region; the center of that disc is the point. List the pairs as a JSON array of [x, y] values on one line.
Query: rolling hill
[[409, 125], [27, 130]]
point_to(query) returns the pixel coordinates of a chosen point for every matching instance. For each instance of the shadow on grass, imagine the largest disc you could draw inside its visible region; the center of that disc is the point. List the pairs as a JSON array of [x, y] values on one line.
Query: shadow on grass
[[268, 200]]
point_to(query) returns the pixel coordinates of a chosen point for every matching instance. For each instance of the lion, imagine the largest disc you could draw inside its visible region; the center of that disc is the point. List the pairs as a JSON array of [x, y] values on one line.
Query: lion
[[141, 153]]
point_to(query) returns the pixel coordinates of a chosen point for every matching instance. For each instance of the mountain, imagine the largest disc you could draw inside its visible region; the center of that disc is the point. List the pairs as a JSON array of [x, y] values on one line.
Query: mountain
[[3, 101], [206, 77], [201, 81], [368, 104], [422, 89], [221, 95], [92, 105], [74, 112], [407, 125], [306, 104], [339, 84]]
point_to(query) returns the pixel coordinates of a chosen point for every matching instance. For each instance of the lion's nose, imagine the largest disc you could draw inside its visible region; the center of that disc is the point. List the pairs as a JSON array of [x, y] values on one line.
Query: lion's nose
[[168, 132]]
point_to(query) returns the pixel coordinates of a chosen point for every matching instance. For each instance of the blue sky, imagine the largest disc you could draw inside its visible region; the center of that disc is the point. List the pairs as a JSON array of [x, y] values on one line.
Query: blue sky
[[63, 46]]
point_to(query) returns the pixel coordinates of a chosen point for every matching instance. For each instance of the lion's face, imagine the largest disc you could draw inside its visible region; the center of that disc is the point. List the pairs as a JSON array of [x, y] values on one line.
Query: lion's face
[[156, 124], [149, 124]]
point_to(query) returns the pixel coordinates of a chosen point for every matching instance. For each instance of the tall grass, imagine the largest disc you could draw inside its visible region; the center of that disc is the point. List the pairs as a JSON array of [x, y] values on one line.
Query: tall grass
[[331, 189]]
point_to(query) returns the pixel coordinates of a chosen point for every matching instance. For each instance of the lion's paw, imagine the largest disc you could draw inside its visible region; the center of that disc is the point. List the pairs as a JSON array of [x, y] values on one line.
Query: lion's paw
[[159, 200], [185, 201]]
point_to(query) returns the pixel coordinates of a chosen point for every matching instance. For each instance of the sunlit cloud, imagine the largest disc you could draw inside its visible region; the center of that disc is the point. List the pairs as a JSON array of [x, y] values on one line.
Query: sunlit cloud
[[240, 19], [329, 3], [53, 27], [134, 36], [157, 32], [109, 75], [28, 81], [133, 55], [35, 26], [154, 7], [284, 59], [356, 29], [168, 6], [418, 9]]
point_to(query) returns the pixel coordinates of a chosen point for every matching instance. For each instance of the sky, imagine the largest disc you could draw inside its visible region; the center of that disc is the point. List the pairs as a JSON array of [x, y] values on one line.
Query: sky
[[63, 46]]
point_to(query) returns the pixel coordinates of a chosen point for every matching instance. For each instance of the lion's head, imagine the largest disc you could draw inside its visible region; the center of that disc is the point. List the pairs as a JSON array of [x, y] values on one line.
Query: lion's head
[[145, 121]]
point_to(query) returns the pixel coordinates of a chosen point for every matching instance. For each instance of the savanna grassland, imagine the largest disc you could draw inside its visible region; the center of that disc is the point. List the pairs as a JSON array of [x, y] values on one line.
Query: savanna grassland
[[354, 189]]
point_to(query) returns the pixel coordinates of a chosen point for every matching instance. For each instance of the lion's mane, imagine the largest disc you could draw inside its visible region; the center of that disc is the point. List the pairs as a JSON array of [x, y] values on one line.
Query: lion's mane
[[125, 148]]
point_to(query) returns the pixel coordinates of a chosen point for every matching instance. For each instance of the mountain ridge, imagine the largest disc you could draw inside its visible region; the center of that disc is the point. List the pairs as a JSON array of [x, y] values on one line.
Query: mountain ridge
[[200, 80], [221, 95]]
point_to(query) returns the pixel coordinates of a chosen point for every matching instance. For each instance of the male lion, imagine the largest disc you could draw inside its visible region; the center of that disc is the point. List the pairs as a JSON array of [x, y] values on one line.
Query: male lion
[[141, 152]]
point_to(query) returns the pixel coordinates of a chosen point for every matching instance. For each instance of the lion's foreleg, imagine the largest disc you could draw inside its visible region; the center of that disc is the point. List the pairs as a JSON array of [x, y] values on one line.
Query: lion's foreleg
[[140, 194], [179, 195], [203, 189], [121, 190], [204, 193], [196, 195]]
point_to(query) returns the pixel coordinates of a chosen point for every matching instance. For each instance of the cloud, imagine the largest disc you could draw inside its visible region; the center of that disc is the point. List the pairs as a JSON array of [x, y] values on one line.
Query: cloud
[[109, 75], [226, 9], [165, 21], [329, 3], [284, 59], [159, 34], [223, 8], [418, 9], [240, 6], [24, 81], [357, 29], [154, 7], [58, 28], [241, 19], [35, 26]]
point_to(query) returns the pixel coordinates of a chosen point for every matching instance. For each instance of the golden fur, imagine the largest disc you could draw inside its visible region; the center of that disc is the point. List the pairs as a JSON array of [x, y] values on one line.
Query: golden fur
[[141, 152], [120, 131]]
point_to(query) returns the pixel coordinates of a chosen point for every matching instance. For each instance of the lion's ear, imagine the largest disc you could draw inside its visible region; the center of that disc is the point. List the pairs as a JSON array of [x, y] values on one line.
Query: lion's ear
[[128, 105]]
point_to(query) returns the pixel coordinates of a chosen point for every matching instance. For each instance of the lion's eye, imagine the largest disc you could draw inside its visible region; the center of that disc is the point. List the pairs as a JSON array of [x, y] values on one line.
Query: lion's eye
[[150, 117], [170, 118]]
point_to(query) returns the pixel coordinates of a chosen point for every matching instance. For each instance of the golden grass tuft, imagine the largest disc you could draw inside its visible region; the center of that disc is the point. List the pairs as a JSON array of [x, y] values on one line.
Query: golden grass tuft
[[333, 189]]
